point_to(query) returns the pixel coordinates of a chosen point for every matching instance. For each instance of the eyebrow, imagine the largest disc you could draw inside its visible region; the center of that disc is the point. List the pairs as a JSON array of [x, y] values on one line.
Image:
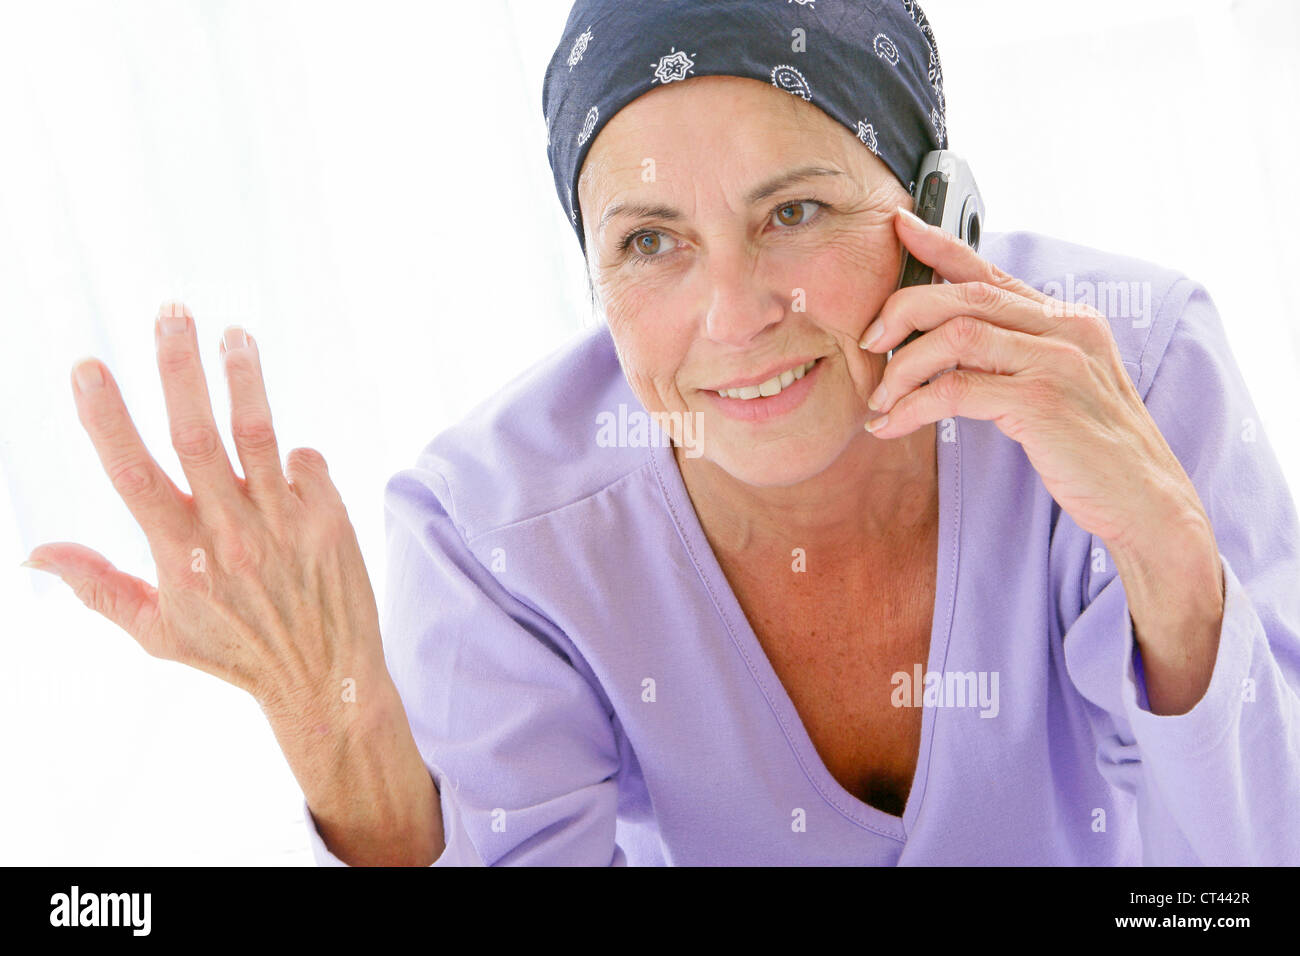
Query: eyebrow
[[760, 192]]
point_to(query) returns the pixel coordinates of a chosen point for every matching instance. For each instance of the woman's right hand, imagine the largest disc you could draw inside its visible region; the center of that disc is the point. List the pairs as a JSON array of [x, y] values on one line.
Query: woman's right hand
[[261, 583]]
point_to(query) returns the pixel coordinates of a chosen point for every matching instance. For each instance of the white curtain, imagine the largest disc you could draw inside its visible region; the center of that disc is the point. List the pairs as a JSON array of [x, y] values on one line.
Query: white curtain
[[365, 187]]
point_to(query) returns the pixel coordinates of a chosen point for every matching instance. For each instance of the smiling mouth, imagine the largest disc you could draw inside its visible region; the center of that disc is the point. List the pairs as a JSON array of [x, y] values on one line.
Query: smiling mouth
[[773, 386]]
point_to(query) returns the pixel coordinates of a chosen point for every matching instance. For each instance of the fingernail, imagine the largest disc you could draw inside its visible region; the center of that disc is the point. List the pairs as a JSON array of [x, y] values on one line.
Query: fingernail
[[173, 318], [88, 375], [873, 332], [38, 565], [877, 423], [911, 218], [877, 397], [234, 338]]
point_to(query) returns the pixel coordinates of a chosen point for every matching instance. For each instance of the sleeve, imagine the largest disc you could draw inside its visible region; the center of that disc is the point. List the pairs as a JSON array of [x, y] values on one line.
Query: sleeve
[[1219, 784], [520, 744]]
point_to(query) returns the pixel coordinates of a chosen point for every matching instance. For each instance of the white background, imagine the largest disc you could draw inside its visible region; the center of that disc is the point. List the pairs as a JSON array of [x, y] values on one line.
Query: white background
[[365, 187]]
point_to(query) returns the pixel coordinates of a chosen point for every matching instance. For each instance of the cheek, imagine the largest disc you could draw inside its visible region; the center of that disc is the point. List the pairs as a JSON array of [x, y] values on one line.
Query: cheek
[[650, 342], [848, 279]]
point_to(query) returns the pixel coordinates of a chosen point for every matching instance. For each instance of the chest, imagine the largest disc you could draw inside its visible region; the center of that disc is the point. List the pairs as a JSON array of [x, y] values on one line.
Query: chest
[[835, 640]]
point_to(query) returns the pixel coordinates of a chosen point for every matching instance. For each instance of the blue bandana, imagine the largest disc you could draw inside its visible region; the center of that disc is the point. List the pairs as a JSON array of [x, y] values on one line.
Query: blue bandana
[[870, 64]]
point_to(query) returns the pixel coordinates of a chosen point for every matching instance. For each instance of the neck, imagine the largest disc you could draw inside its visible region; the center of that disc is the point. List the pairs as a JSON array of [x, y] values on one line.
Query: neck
[[876, 488]]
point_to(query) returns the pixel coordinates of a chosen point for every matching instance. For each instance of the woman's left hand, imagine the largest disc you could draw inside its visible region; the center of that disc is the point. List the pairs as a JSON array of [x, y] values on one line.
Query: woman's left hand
[[1046, 372]]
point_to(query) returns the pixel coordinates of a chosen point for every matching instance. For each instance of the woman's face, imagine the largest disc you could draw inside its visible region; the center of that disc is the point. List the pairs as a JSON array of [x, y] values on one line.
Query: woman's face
[[735, 276]]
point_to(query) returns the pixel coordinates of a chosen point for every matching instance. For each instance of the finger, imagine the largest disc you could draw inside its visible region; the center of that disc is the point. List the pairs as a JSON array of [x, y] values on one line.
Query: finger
[[250, 416], [157, 505], [961, 342], [309, 477], [924, 307], [193, 429], [127, 601], [970, 394], [953, 258]]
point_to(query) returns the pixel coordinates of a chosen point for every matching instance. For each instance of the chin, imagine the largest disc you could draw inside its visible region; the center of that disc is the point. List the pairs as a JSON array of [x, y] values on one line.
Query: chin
[[777, 464]]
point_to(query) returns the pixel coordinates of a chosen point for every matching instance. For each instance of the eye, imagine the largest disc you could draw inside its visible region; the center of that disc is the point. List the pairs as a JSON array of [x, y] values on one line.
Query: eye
[[647, 244], [792, 213]]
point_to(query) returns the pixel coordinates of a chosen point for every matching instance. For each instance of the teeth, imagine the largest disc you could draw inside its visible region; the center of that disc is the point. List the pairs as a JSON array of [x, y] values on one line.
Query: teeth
[[772, 386]]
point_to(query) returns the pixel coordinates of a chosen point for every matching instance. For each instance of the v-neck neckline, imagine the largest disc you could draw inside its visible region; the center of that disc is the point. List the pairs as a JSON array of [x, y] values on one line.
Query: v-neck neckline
[[948, 468]]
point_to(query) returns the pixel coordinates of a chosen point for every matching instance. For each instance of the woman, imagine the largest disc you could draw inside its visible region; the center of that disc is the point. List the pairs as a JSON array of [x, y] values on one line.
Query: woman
[[1042, 609]]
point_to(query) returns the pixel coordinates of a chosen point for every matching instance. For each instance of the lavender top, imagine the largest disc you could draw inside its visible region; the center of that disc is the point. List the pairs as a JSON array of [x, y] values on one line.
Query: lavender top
[[540, 580]]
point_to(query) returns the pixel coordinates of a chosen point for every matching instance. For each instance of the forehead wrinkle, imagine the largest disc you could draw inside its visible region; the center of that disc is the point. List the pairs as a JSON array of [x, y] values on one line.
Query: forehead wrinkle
[[615, 156]]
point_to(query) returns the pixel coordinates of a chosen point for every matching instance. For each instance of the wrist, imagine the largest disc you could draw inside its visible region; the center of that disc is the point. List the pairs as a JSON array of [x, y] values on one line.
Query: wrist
[[1176, 547], [322, 716], [311, 694], [1173, 581], [352, 751]]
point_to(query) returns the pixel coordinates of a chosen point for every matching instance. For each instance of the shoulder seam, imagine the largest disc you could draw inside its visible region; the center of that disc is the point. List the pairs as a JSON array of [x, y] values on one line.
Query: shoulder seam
[[1147, 373]]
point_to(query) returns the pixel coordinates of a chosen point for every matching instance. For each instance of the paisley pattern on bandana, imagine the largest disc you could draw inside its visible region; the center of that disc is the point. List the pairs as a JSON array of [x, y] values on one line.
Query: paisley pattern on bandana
[[786, 77], [885, 49], [579, 48], [872, 65]]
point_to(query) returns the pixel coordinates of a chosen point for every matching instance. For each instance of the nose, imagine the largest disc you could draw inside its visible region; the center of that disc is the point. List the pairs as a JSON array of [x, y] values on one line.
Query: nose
[[740, 303]]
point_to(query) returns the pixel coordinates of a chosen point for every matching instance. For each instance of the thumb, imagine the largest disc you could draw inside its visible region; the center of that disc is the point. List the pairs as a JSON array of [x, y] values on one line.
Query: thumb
[[127, 601]]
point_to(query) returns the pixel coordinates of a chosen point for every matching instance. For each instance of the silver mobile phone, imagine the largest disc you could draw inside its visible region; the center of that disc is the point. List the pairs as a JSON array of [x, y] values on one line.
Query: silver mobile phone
[[945, 195]]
